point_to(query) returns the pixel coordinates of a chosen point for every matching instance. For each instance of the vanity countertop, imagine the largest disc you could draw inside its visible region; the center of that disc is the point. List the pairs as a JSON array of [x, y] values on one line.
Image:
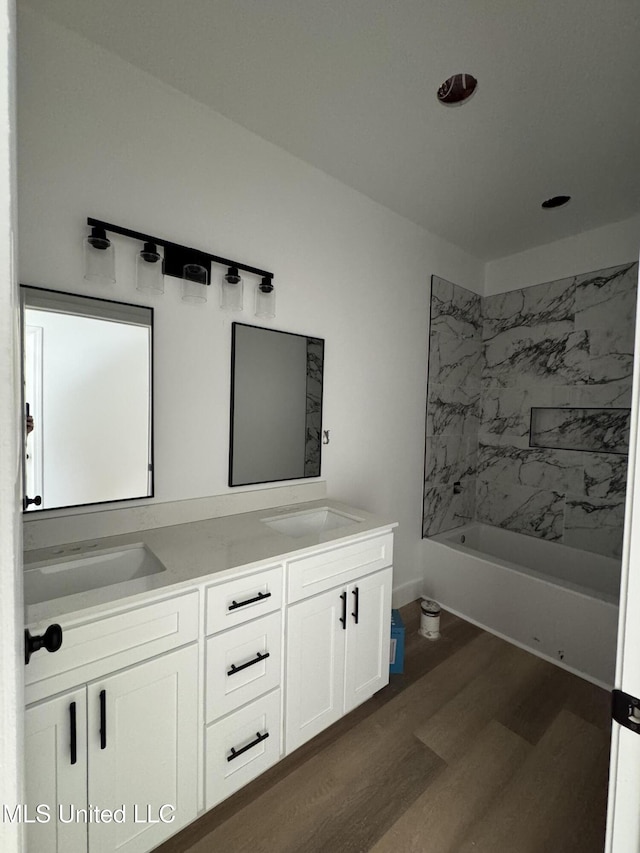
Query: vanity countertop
[[196, 552]]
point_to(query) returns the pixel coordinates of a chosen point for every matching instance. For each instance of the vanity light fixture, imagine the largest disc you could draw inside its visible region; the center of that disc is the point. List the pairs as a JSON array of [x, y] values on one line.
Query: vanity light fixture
[[231, 290], [99, 257], [149, 271], [195, 279], [192, 266], [265, 299]]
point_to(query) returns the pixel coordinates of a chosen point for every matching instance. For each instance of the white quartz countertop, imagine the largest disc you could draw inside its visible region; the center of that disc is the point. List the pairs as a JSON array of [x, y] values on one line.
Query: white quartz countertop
[[194, 553]]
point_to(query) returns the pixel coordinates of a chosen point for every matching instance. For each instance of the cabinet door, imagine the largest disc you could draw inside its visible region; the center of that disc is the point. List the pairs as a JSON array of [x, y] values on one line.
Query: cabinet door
[[315, 666], [56, 773], [142, 733], [368, 637]]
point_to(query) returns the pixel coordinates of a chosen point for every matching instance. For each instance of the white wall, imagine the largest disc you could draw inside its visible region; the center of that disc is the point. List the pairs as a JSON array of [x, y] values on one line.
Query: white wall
[[11, 612], [98, 137], [617, 243]]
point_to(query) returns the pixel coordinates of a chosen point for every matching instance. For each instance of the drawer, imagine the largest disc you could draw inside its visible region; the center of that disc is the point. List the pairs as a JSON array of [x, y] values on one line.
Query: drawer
[[242, 664], [341, 564], [241, 747], [236, 601], [97, 645]]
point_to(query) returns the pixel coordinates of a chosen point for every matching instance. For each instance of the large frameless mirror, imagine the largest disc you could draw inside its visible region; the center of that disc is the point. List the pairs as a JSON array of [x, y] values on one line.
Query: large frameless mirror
[[87, 370], [276, 405]]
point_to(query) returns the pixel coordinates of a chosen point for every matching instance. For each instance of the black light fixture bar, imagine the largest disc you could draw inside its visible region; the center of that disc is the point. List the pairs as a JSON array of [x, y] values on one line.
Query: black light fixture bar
[[175, 255]]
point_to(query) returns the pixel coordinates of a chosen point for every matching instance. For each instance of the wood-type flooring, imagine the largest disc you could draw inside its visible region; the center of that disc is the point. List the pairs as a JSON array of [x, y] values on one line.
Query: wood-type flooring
[[479, 747]]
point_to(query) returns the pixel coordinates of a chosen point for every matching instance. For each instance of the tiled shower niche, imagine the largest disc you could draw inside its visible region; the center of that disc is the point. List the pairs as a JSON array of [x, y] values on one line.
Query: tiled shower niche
[[565, 345], [595, 430]]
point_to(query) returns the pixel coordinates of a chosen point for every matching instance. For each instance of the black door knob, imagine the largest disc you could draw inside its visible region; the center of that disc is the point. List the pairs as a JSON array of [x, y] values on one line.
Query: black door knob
[[51, 640]]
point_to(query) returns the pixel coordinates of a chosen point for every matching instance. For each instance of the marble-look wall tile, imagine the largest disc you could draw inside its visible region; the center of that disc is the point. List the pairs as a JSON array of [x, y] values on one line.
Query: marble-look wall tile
[[565, 344], [507, 411], [450, 458], [550, 305], [454, 309], [616, 395], [605, 475], [443, 509], [523, 509], [553, 470], [597, 430], [535, 356], [594, 524], [606, 298], [454, 360], [453, 400], [452, 411]]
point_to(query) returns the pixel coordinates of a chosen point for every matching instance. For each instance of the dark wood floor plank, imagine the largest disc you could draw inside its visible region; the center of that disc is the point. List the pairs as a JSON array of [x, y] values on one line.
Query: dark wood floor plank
[[452, 730], [542, 800], [437, 820]]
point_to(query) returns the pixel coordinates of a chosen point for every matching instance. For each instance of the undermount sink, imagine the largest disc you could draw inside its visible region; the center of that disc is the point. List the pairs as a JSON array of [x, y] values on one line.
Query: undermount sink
[[70, 574], [311, 521]]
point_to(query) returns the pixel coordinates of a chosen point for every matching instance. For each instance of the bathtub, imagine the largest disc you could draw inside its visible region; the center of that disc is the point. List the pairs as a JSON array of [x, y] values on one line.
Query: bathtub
[[558, 602]]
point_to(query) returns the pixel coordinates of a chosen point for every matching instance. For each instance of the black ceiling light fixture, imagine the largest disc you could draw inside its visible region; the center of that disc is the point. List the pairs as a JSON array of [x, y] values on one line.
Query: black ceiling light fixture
[[192, 266], [555, 201], [457, 89]]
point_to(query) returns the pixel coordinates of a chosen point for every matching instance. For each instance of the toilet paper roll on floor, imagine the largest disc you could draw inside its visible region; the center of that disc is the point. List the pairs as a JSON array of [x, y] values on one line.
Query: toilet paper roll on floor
[[429, 619]]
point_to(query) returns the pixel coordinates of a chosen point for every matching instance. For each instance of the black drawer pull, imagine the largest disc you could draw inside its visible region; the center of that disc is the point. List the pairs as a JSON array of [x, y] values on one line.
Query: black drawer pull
[[343, 618], [356, 612], [260, 656], [237, 752], [73, 742], [235, 604], [103, 719]]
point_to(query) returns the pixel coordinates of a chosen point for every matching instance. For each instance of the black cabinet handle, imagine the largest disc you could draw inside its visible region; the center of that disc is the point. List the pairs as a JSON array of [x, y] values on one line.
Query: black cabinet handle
[[343, 618], [235, 753], [103, 719], [260, 656], [28, 501], [235, 604], [356, 604], [73, 743], [51, 640]]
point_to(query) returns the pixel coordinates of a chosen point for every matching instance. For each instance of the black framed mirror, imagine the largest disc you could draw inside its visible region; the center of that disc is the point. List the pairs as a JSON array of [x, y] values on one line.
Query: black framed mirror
[[276, 405], [88, 403]]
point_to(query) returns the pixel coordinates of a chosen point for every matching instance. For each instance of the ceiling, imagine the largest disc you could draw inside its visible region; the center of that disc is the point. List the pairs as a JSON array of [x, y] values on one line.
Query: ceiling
[[350, 87]]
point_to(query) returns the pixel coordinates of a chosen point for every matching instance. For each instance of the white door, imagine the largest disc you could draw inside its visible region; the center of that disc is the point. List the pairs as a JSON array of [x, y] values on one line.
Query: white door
[[315, 665], [143, 754], [623, 820], [56, 773], [368, 637]]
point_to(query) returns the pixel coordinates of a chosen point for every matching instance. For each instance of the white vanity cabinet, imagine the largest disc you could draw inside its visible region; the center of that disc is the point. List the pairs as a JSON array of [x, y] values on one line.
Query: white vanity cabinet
[[124, 740], [337, 640], [56, 765], [243, 673], [156, 708]]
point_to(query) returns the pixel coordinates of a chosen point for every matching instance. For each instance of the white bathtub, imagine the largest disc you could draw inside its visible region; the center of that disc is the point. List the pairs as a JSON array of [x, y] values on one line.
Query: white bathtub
[[560, 603]]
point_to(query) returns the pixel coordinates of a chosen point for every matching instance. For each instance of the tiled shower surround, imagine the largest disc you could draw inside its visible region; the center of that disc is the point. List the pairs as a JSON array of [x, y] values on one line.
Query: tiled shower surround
[[557, 347]]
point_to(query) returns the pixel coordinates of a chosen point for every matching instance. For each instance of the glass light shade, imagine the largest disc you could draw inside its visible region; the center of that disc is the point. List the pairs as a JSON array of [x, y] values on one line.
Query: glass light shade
[[149, 270], [194, 283], [231, 291], [99, 257], [265, 299]]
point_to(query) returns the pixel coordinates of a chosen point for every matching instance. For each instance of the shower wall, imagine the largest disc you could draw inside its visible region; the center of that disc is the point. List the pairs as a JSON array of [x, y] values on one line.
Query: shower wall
[[553, 371], [565, 347], [453, 407]]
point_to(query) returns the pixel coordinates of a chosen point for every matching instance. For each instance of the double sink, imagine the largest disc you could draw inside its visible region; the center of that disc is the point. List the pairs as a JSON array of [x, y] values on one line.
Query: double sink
[[81, 572]]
